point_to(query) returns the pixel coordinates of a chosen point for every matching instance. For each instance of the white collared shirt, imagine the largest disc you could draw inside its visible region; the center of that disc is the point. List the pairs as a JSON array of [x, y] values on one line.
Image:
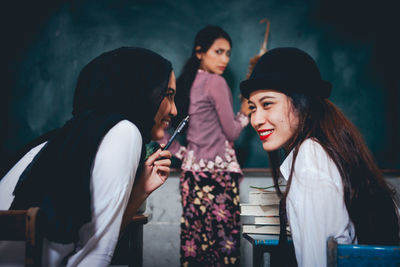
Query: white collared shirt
[[315, 204], [112, 178]]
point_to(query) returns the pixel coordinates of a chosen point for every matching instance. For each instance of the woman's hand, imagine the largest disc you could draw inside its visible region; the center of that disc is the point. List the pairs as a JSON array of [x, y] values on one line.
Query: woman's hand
[[155, 171]]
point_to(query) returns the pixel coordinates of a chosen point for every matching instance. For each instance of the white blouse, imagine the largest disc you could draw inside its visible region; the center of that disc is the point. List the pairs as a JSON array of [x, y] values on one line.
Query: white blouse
[[112, 179], [315, 204]]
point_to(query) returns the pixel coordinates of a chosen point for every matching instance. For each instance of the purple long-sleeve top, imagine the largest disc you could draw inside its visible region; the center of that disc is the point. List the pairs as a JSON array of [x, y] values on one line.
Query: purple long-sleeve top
[[212, 121], [213, 125]]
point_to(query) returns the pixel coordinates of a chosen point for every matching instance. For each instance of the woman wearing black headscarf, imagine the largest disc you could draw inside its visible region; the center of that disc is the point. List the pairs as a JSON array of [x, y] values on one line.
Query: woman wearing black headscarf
[[82, 175]]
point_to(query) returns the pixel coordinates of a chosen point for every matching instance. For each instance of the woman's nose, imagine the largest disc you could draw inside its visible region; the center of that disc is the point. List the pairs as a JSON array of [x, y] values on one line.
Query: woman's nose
[[225, 59], [257, 118], [174, 110]]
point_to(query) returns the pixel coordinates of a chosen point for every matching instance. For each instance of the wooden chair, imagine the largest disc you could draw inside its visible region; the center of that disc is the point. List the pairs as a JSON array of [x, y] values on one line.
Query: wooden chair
[[361, 255], [129, 250], [22, 225]]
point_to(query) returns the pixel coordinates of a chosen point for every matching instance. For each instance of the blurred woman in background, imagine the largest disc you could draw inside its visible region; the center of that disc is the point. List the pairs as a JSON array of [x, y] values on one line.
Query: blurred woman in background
[[210, 230]]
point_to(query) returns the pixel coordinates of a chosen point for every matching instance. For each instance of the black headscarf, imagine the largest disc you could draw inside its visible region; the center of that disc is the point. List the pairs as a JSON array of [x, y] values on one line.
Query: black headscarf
[[126, 83]]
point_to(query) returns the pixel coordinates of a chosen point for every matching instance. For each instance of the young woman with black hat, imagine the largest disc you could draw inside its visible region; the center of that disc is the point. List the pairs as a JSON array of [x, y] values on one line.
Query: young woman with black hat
[[334, 187], [82, 175]]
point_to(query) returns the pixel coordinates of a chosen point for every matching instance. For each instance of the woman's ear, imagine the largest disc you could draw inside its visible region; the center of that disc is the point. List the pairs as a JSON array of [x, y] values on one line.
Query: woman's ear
[[198, 53]]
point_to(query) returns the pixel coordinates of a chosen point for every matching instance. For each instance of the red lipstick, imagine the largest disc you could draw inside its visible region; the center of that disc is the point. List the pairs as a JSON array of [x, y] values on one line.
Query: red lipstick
[[263, 135]]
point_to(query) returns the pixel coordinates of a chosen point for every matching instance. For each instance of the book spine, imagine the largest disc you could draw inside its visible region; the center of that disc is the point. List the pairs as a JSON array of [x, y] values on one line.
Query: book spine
[[263, 198], [259, 210]]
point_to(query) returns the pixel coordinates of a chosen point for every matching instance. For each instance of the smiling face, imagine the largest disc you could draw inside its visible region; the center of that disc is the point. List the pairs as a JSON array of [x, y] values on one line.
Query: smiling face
[[166, 111], [216, 58], [273, 117]]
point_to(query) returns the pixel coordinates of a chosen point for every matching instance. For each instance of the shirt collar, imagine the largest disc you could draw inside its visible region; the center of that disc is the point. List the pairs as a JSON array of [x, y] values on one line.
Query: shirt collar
[[286, 165]]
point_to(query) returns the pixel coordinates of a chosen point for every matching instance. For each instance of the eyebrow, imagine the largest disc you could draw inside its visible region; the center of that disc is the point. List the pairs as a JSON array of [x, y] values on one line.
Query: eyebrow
[[265, 97], [223, 49], [261, 99]]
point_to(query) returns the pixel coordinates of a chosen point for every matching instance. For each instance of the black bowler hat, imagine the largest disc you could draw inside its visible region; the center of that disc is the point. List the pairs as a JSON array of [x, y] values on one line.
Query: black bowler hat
[[286, 69]]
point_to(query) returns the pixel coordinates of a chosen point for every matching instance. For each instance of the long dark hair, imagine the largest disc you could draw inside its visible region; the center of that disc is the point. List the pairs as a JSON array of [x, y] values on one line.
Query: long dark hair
[[127, 83], [369, 200], [204, 39]]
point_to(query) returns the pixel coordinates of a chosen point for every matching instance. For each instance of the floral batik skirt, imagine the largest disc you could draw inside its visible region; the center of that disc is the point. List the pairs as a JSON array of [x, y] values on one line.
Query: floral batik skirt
[[210, 229]]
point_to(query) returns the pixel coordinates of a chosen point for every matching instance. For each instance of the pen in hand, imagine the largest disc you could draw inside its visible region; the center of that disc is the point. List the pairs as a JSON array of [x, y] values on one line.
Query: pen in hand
[[178, 130]]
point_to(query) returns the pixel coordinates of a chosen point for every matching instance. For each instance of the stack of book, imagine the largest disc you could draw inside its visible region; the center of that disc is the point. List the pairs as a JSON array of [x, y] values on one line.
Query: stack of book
[[261, 214]]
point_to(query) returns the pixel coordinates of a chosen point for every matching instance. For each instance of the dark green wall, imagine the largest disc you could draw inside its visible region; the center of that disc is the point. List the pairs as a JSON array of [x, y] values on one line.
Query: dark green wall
[[354, 51]]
